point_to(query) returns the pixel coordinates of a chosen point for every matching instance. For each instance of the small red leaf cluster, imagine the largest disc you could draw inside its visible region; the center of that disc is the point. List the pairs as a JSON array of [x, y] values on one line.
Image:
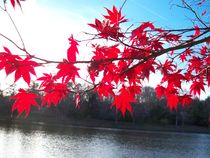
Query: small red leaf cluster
[[55, 87], [22, 68], [109, 27]]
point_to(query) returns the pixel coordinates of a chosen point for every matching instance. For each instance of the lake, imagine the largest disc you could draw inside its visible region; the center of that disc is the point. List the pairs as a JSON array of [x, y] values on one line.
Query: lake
[[79, 142]]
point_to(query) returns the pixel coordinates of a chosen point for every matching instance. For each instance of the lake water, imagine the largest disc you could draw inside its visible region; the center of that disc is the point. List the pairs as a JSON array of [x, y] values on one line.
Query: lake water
[[71, 142]]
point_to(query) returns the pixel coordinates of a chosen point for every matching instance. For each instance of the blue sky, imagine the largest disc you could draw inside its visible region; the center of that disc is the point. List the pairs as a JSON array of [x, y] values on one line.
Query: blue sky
[[162, 12]]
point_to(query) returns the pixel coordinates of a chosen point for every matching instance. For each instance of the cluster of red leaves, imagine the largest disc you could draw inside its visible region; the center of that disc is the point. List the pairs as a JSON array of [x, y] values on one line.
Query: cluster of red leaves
[[121, 67], [14, 63], [54, 90], [137, 61], [109, 27], [55, 87]]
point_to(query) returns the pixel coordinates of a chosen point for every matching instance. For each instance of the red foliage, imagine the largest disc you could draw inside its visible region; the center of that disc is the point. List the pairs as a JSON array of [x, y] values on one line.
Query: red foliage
[[67, 72], [118, 68], [123, 100], [55, 94], [115, 17], [23, 101], [14, 63], [72, 51]]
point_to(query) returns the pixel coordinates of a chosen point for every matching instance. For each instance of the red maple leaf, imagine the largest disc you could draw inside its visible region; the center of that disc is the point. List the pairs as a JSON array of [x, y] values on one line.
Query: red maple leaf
[[160, 91], [104, 90], [115, 16], [67, 71], [195, 64], [197, 87], [185, 99], [203, 50], [24, 68], [167, 67], [14, 63], [106, 30], [57, 93], [123, 100], [174, 79], [139, 32], [23, 101], [183, 56], [169, 37], [6, 60], [172, 101], [47, 81], [72, 50]]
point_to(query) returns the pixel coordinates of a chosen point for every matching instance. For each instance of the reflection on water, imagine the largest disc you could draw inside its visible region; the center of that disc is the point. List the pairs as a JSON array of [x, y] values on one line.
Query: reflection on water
[[67, 142]]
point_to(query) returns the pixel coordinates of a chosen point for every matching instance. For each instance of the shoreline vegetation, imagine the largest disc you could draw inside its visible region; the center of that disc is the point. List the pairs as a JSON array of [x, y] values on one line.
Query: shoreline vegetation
[[148, 114], [101, 125]]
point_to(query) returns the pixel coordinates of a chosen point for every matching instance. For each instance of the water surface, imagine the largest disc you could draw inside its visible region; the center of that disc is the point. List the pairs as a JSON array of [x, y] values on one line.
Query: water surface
[[71, 142]]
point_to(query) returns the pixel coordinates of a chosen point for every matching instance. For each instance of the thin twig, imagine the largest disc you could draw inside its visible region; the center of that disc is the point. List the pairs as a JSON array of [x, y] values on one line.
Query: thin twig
[[123, 5], [194, 12], [16, 28]]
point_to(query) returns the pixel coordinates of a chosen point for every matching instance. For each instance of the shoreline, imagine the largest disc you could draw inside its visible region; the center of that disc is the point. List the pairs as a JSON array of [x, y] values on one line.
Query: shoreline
[[105, 125]]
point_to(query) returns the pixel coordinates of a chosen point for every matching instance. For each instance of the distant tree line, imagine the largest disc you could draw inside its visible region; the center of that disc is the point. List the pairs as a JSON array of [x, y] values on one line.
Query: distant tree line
[[147, 109]]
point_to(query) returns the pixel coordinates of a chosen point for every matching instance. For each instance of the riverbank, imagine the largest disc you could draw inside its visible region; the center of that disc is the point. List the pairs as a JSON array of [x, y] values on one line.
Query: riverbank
[[102, 125]]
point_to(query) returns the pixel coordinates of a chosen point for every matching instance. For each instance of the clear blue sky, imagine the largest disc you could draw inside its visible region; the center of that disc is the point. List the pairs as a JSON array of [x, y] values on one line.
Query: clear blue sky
[[161, 12]]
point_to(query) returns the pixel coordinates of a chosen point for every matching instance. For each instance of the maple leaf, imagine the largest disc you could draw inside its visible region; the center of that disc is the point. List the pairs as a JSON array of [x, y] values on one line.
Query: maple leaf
[[72, 50], [174, 79], [57, 93], [147, 68], [169, 37], [115, 16], [183, 56], [104, 90], [196, 87], [123, 100], [8, 61], [135, 89], [14, 63], [195, 64], [24, 68], [160, 91], [172, 101], [185, 99], [67, 71], [47, 81], [23, 101], [139, 31], [203, 50], [167, 67], [106, 30]]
